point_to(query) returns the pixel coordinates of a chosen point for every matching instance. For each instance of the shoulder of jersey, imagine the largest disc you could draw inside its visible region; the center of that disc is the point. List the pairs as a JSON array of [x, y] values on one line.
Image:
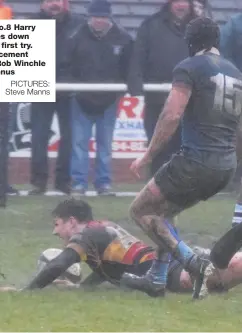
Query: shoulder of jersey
[[192, 62], [99, 223], [185, 64], [76, 237]]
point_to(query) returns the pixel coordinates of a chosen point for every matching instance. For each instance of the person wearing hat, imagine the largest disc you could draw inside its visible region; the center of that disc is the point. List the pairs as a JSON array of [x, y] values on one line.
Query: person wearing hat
[[101, 56], [158, 48], [67, 26]]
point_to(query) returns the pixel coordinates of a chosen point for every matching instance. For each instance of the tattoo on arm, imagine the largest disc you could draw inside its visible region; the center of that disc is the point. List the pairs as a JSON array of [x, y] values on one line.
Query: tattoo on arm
[[169, 118]]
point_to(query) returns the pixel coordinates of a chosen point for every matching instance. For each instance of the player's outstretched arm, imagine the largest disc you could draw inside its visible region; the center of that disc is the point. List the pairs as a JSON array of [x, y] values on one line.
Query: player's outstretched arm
[[54, 269], [169, 118]]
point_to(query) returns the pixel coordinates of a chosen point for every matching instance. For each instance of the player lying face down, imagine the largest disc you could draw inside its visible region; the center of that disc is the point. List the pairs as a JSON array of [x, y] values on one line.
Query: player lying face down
[[109, 250], [179, 280]]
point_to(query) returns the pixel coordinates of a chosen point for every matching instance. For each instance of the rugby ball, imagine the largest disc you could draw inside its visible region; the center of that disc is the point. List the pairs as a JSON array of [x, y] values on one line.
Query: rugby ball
[[72, 274]]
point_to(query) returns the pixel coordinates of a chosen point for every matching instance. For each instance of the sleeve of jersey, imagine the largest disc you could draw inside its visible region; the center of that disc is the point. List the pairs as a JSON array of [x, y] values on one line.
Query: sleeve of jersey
[[182, 76], [54, 269], [82, 244]]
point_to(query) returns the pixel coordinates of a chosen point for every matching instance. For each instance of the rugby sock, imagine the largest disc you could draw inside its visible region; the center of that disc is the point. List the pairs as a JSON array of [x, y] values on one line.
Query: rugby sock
[[159, 268], [184, 253], [237, 217], [173, 230]]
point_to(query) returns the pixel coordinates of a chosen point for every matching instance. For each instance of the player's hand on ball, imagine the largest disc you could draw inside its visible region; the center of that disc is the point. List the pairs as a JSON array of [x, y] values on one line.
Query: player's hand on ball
[[63, 283]]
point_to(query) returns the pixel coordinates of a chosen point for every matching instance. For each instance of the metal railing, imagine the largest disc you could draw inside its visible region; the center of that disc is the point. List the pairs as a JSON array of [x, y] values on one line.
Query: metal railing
[[165, 87]]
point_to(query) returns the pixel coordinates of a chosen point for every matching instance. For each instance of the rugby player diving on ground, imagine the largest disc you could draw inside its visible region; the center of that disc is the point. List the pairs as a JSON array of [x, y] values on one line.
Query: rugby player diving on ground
[[110, 251]]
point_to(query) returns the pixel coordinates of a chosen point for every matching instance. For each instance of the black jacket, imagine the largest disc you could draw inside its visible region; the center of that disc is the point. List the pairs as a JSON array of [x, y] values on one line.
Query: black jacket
[[66, 33], [159, 47], [98, 60]]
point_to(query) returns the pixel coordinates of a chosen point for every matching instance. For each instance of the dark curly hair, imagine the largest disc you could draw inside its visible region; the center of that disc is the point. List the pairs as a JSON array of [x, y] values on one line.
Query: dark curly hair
[[202, 33], [79, 209]]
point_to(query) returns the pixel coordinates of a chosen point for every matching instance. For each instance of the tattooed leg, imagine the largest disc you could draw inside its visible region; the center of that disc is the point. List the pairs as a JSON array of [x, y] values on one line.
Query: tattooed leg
[[154, 215], [150, 210], [147, 211]]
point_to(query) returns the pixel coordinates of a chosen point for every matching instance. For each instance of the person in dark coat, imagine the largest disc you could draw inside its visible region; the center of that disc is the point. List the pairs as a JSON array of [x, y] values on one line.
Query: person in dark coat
[[158, 48], [67, 27], [101, 56]]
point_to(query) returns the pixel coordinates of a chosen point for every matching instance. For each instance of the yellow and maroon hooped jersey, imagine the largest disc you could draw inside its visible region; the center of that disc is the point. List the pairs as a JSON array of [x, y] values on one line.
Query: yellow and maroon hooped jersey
[[110, 250]]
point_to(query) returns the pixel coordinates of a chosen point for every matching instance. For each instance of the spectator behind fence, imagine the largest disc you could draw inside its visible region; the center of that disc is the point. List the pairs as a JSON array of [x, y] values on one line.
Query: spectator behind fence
[[231, 48], [6, 12], [67, 26], [102, 55], [231, 40], [10, 119], [202, 8], [5, 110], [159, 47]]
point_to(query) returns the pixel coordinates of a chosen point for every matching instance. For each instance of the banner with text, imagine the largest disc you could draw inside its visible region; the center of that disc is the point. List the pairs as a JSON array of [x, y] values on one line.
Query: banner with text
[[129, 140]]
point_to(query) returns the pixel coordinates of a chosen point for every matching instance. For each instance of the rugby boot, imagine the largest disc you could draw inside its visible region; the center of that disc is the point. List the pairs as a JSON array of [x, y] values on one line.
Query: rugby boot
[[201, 269], [148, 283]]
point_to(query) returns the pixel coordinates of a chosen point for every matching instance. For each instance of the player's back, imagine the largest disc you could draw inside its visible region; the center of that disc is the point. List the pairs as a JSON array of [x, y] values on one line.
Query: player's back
[[211, 118], [109, 249]]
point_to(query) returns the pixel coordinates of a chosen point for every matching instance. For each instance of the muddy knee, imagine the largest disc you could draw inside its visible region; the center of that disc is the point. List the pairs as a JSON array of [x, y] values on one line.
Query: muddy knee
[[134, 212], [137, 217]]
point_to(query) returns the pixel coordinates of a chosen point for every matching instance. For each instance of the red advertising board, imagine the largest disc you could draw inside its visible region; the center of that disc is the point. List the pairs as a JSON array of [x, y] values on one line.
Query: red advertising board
[[129, 139]]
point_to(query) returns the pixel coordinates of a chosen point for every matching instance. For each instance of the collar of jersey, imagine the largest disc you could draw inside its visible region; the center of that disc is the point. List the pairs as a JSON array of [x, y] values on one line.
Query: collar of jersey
[[212, 50]]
